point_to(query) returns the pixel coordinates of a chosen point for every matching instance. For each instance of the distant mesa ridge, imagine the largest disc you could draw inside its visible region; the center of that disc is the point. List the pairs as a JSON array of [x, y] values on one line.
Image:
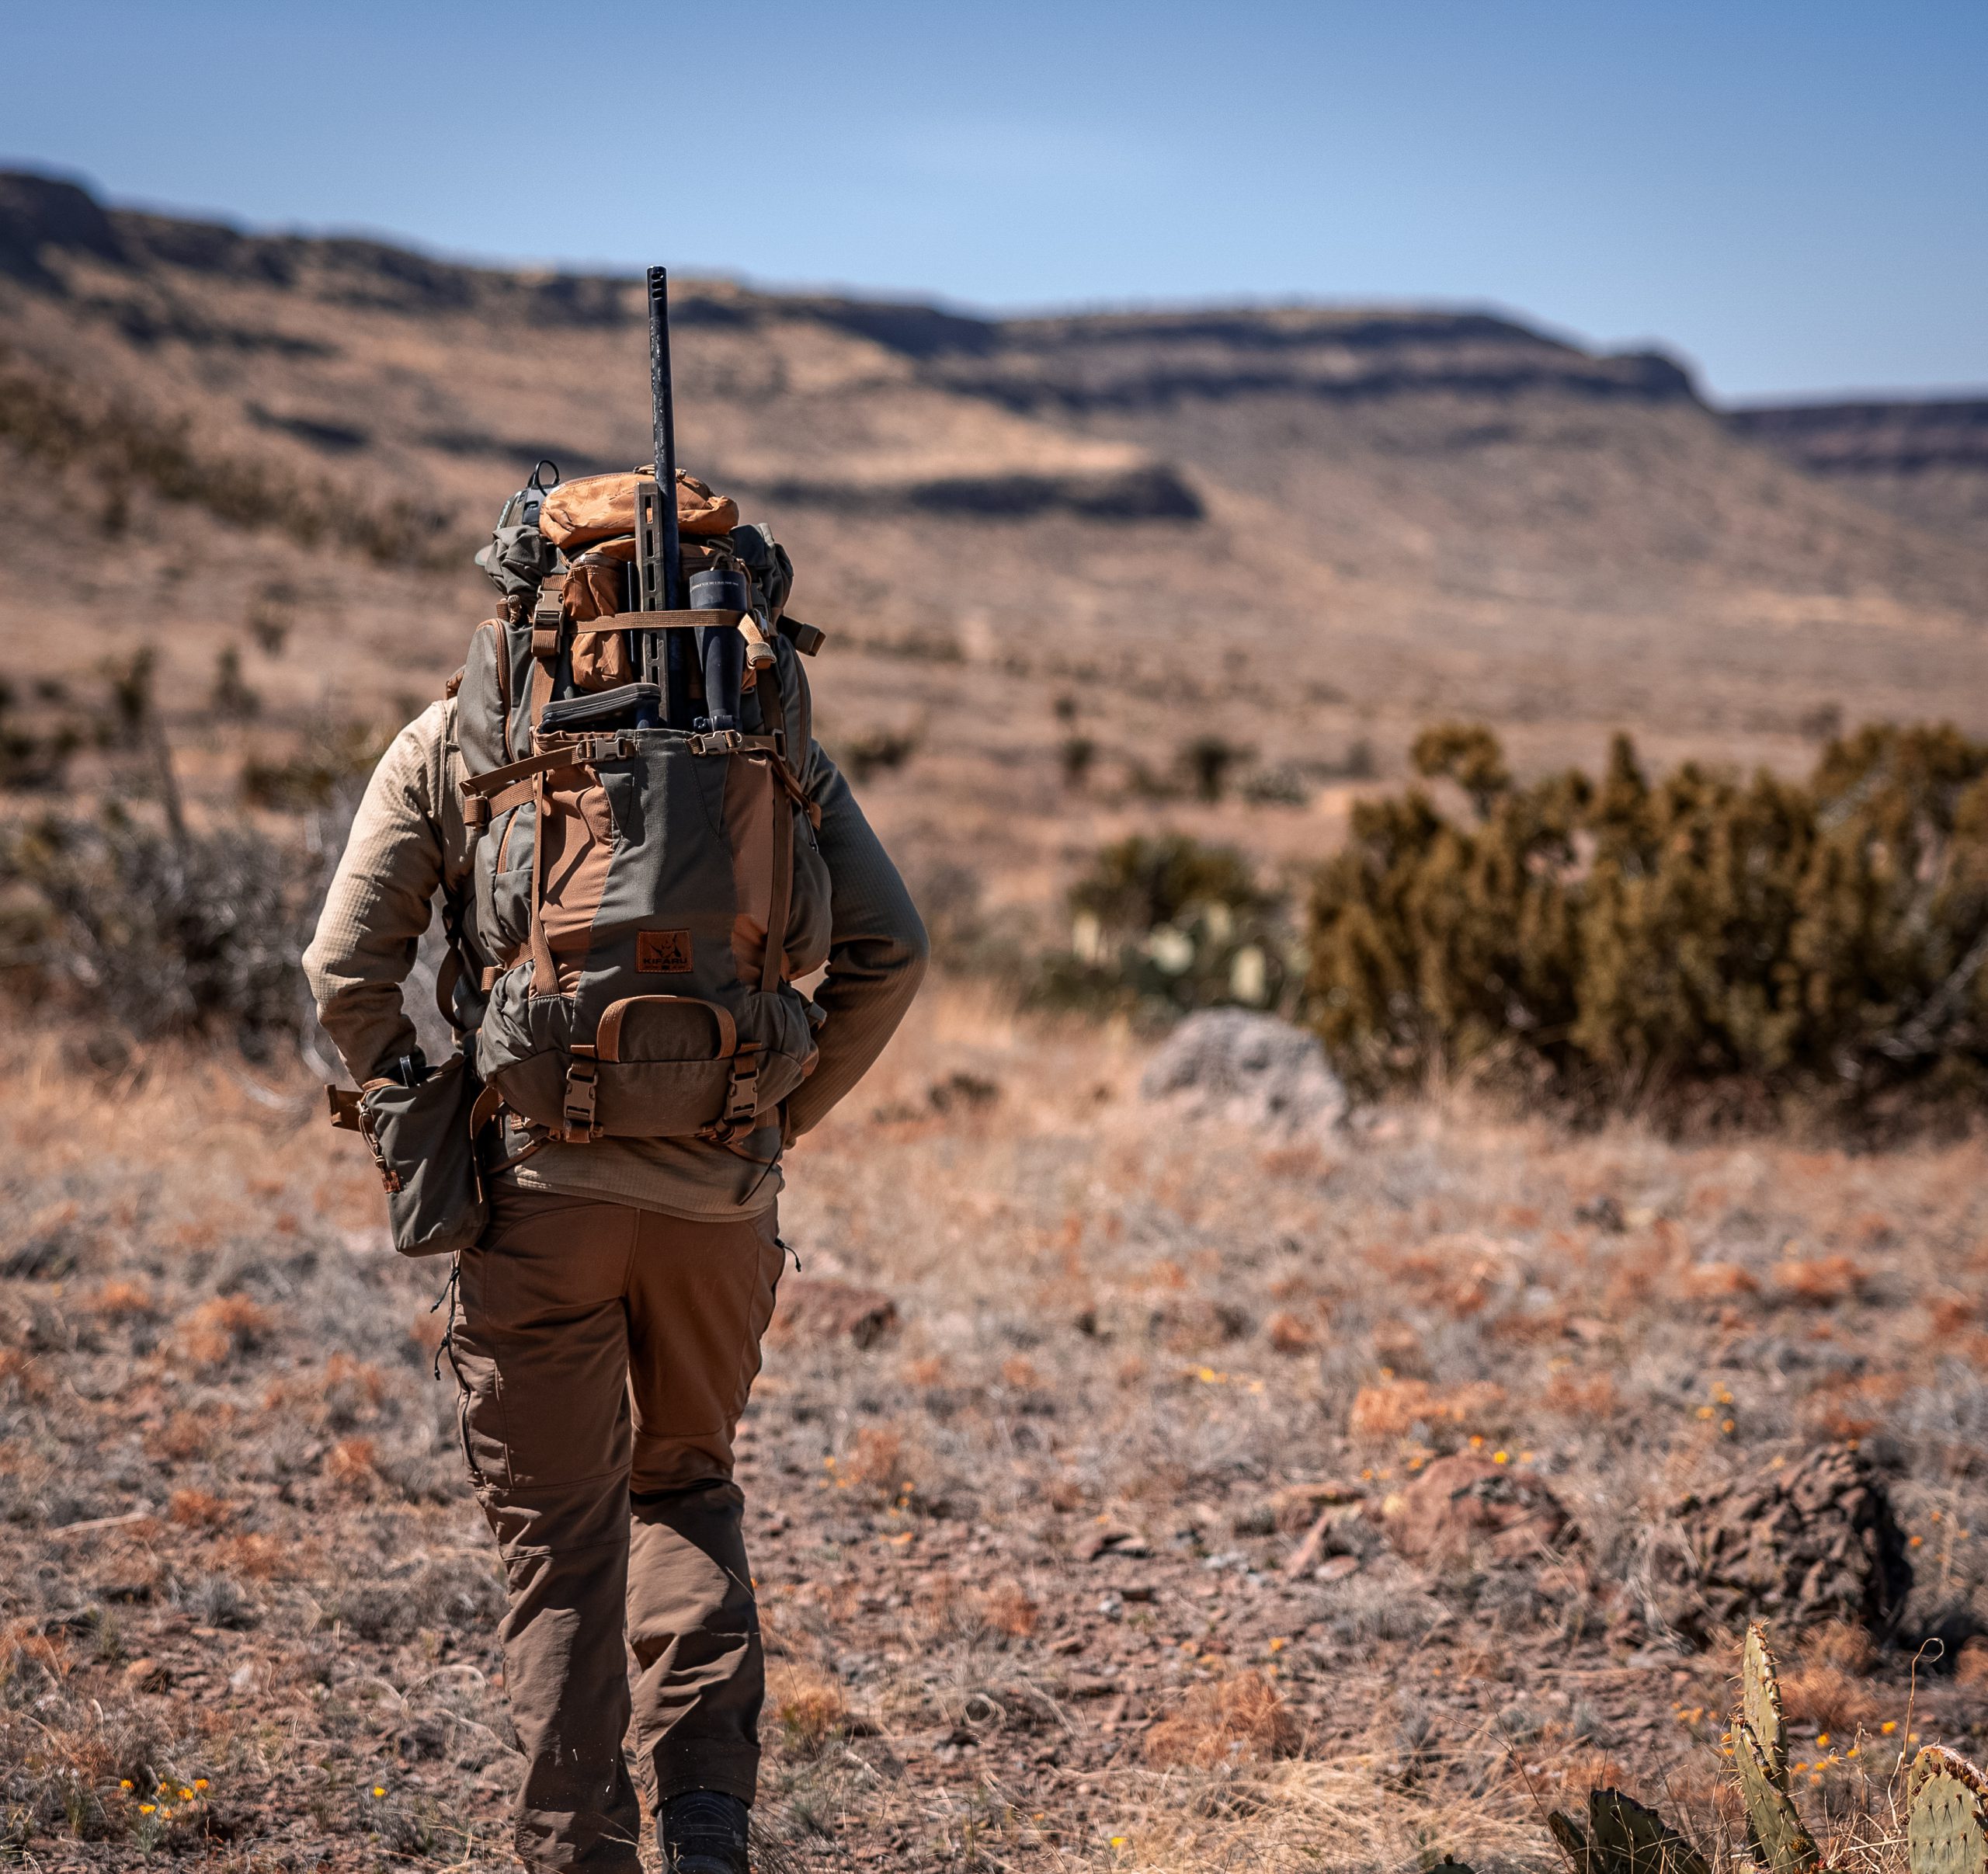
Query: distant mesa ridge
[[1903, 437], [1105, 361], [1106, 373], [43, 211]]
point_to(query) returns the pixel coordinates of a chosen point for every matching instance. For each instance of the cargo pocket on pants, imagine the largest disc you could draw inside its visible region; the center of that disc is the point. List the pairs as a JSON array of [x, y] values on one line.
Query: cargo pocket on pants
[[476, 1476]]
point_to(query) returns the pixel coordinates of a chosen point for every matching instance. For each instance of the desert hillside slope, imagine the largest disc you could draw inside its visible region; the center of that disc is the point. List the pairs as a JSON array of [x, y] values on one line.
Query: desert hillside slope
[[1307, 530], [1927, 458]]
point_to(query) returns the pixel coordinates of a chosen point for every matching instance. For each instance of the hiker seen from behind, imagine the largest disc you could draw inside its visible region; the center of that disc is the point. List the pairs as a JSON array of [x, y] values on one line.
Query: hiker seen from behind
[[637, 849]]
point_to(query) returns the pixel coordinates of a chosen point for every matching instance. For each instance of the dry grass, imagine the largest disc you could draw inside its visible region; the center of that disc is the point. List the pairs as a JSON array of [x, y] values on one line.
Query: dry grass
[[216, 1331], [1392, 1407], [1821, 1280], [808, 1708], [1020, 1558], [1239, 1720]]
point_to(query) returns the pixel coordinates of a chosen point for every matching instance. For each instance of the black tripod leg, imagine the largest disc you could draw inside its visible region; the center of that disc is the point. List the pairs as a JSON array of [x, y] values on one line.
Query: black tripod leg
[[722, 651], [676, 652]]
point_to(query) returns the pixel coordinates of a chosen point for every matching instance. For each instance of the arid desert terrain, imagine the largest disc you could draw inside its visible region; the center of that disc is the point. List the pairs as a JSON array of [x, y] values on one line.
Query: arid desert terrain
[[1131, 1488]]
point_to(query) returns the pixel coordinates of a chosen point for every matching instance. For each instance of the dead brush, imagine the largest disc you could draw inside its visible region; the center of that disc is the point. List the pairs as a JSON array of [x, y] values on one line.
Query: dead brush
[[185, 1436], [198, 1509], [123, 1301], [945, 1609], [1291, 1333], [774, 1638], [28, 1657], [214, 1333], [78, 1770], [346, 1393], [254, 1557], [1390, 1408], [1716, 1282], [875, 1464], [1820, 1282], [1582, 1396], [351, 1393], [1009, 1609], [1827, 1688], [809, 1707], [1330, 1816], [352, 1466], [1241, 1719]]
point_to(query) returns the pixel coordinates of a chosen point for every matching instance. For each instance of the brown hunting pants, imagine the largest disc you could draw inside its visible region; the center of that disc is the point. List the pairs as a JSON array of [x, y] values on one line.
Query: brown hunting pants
[[604, 1355]]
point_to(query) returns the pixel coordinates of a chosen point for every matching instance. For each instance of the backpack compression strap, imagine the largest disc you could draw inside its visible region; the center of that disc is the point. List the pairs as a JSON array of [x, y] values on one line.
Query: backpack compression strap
[[497, 791]]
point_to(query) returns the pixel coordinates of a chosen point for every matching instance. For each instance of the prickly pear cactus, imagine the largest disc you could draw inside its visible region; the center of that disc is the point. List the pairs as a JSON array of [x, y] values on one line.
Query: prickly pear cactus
[[1624, 1838], [1759, 1706], [1572, 1841], [1774, 1833], [1944, 1833]]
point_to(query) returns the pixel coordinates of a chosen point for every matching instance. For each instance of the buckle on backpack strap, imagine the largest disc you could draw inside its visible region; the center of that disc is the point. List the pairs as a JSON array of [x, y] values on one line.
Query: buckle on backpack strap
[[717, 742], [741, 1116], [583, 1093], [547, 616]]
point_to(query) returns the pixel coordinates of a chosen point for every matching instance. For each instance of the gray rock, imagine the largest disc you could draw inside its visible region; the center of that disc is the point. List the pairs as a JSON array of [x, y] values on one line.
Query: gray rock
[[1248, 1069]]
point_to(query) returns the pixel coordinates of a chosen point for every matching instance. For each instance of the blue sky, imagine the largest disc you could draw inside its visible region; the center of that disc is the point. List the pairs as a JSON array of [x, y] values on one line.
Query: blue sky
[[1793, 197]]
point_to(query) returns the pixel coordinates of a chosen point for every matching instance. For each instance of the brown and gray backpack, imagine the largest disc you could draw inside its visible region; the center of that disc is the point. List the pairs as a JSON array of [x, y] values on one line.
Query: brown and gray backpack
[[644, 897]]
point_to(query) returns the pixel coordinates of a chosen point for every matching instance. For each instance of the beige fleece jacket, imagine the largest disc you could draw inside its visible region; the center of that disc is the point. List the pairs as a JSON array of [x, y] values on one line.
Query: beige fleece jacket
[[407, 842]]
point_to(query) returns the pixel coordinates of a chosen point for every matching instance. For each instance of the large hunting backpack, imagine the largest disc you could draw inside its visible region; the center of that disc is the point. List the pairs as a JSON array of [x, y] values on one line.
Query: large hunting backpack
[[644, 898]]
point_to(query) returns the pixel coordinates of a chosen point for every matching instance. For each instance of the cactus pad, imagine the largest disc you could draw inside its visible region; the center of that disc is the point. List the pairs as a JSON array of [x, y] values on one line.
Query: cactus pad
[[1572, 1841], [1943, 1830], [1760, 1706], [1774, 1833], [1626, 1838]]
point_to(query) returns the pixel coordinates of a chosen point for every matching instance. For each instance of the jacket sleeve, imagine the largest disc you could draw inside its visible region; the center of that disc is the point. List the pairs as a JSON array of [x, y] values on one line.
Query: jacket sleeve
[[877, 949], [379, 903]]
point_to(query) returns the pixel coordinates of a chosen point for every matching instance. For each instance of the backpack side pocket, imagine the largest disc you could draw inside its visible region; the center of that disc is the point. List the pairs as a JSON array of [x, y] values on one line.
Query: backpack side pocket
[[420, 1138]]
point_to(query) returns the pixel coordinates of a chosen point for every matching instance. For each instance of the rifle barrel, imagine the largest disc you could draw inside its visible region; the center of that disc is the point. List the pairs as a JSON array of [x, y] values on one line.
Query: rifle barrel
[[665, 403]]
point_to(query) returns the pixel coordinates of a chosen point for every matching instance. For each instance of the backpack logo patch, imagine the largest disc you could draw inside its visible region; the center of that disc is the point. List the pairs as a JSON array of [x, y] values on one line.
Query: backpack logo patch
[[662, 952]]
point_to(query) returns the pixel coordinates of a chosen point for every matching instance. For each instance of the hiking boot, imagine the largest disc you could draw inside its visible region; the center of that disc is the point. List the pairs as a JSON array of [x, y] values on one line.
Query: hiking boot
[[703, 1831]]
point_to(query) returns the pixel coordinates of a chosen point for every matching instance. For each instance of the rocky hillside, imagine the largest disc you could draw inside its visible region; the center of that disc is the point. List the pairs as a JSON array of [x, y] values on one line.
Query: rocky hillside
[[1305, 530], [1927, 458]]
